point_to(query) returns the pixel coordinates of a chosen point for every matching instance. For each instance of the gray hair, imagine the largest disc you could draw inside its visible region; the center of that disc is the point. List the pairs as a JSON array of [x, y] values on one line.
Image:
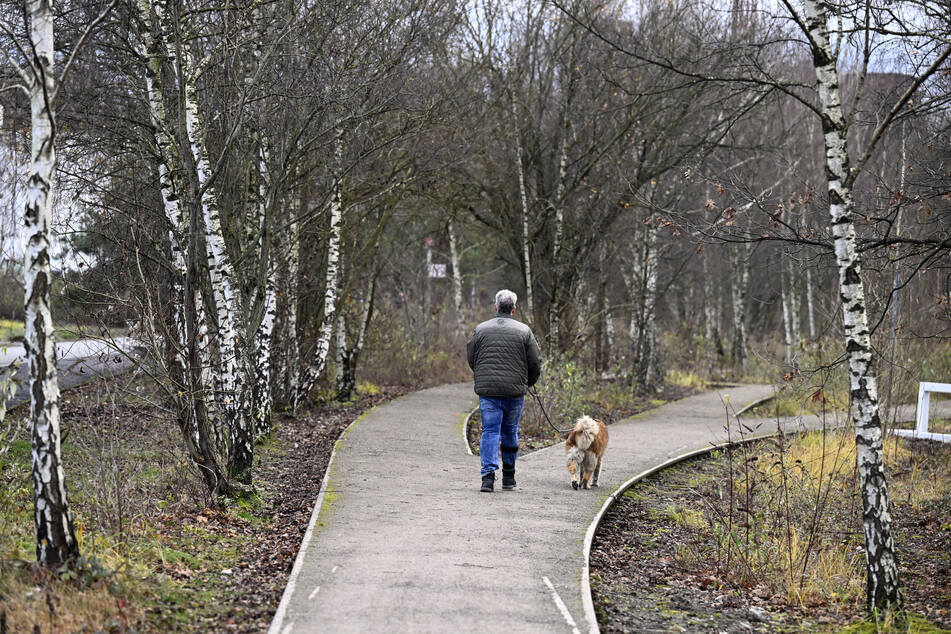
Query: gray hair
[[505, 301]]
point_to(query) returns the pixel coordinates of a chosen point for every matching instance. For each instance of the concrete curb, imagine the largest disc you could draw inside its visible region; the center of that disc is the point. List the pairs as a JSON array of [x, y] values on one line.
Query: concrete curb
[[465, 430], [278, 619], [586, 599]]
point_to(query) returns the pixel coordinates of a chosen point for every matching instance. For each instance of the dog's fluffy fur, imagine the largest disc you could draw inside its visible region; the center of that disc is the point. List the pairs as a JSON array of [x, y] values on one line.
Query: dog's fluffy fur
[[585, 448]]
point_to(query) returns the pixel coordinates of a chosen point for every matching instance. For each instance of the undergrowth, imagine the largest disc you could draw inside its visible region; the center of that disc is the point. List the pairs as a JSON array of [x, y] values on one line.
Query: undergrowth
[[158, 555], [781, 518]]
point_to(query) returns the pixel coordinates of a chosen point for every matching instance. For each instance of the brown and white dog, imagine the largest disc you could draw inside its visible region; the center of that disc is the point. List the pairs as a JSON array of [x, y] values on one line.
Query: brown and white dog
[[585, 448]]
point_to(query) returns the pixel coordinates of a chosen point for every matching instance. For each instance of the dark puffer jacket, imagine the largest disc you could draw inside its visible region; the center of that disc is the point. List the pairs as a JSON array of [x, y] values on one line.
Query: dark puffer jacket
[[503, 355]]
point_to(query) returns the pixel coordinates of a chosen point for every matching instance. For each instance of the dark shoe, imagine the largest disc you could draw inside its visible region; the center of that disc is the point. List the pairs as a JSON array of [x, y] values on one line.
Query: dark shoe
[[488, 483], [508, 477]]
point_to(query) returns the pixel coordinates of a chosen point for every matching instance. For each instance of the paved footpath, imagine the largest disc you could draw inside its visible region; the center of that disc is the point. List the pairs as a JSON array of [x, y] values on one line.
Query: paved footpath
[[405, 542]]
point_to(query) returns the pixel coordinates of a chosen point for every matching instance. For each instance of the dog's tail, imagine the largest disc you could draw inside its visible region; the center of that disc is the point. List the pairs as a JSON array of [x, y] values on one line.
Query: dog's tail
[[587, 429]]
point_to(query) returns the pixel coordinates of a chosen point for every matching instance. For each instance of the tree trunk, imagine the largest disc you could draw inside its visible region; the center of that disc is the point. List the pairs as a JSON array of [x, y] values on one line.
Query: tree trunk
[[315, 368], [287, 359], [896, 274], [341, 349], [645, 355], [600, 305], [198, 427], [610, 338], [526, 243], [186, 311], [795, 331], [711, 316], [347, 368], [456, 277], [555, 316], [739, 287], [230, 372], [882, 589], [784, 283], [554, 313], [260, 358], [649, 373], [810, 305], [55, 537]]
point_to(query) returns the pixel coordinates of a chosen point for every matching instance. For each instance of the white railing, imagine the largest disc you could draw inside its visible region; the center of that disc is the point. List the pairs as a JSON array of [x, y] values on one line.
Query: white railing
[[921, 415]]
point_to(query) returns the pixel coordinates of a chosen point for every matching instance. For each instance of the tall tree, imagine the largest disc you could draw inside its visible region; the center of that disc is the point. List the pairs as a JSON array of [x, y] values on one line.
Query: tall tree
[[55, 536]]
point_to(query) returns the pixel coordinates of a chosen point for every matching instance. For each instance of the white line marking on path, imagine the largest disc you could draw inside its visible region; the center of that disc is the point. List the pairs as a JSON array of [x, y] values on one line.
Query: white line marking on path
[[314, 593], [561, 606], [334, 570]]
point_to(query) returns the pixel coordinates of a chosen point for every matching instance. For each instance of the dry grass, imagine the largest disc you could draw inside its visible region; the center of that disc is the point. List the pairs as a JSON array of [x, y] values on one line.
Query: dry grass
[[126, 481], [34, 598], [784, 516]]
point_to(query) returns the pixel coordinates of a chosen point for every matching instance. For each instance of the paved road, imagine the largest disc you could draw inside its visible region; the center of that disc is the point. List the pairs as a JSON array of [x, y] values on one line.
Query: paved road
[[77, 361], [405, 542]]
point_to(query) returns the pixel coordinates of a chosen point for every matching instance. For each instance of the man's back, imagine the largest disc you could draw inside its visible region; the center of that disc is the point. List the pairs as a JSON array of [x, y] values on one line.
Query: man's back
[[504, 357]]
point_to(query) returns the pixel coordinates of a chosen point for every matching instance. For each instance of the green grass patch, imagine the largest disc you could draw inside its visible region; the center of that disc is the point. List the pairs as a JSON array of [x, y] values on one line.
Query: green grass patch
[[909, 623]]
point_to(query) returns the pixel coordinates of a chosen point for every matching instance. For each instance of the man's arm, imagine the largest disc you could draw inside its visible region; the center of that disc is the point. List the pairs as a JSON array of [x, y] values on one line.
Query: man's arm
[[534, 359], [470, 352]]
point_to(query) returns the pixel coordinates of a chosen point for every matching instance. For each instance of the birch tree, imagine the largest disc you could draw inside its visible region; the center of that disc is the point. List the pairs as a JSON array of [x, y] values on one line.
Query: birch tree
[[186, 348], [455, 259], [883, 591], [524, 218], [882, 588], [55, 536], [233, 306], [315, 367]]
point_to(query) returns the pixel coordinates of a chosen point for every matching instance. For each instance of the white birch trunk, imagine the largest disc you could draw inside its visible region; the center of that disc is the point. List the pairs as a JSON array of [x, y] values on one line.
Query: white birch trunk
[[787, 319], [314, 369], [456, 277], [882, 589], [230, 372], [711, 316], [896, 272], [739, 286], [288, 363], [610, 338], [348, 356], [554, 313], [55, 537], [795, 331], [810, 305], [260, 361], [526, 243], [645, 370], [649, 366], [557, 266], [172, 188]]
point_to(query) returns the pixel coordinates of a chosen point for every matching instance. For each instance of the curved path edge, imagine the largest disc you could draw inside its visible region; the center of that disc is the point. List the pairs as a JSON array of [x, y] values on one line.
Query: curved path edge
[[400, 539], [281, 612], [589, 613]]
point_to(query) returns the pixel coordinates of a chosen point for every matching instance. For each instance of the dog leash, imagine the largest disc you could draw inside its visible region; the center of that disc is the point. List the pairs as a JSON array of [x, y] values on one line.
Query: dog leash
[[538, 399]]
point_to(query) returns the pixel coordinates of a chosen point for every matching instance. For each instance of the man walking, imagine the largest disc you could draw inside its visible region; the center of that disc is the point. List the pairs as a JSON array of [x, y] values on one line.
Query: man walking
[[504, 358]]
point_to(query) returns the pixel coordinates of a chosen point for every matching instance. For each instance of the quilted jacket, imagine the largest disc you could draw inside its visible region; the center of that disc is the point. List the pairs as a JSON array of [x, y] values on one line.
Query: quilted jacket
[[503, 355]]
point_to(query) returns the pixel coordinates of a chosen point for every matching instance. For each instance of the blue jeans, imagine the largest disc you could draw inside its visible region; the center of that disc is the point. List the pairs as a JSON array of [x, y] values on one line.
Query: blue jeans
[[499, 423]]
